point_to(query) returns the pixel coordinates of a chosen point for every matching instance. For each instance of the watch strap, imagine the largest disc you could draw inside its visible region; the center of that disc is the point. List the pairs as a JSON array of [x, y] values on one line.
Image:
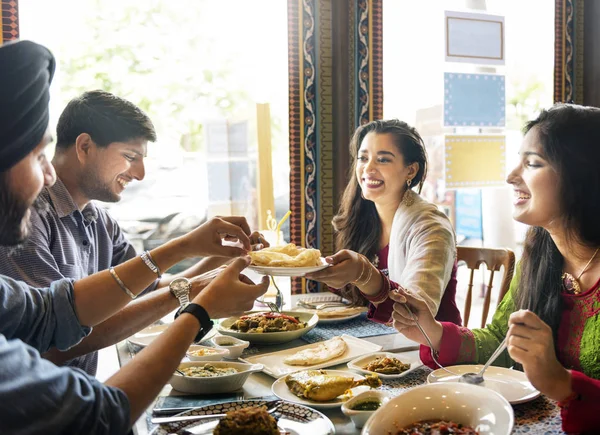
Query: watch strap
[[199, 313]]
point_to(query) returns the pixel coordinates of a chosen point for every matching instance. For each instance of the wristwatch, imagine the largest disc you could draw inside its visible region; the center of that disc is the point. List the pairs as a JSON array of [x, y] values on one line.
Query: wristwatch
[[180, 288], [199, 313]]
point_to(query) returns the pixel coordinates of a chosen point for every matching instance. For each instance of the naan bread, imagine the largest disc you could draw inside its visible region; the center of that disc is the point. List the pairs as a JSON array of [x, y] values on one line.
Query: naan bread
[[324, 351], [289, 255], [333, 312]]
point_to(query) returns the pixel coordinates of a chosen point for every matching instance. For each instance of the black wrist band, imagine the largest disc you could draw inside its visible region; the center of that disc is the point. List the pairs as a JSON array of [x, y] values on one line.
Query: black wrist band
[[199, 313]]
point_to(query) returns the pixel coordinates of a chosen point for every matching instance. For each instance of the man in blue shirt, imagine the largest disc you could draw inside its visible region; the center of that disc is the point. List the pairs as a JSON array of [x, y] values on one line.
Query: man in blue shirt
[[35, 395], [101, 145]]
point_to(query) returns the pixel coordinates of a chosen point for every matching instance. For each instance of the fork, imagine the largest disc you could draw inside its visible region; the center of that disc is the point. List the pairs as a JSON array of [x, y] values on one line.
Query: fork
[[320, 306], [412, 315]]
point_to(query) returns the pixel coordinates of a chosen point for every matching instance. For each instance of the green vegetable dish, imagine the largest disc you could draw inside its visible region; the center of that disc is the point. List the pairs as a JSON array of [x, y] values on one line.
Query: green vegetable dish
[[367, 405], [207, 371]]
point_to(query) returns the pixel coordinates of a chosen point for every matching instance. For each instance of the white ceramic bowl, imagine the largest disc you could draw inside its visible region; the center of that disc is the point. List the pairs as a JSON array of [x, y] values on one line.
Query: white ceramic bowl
[[481, 408], [235, 350], [219, 384], [271, 337], [359, 418], [215, 354]]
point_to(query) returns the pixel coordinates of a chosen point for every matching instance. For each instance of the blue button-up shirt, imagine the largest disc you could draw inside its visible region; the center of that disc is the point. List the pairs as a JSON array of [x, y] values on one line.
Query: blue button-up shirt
[[65, 242], [35, 395]]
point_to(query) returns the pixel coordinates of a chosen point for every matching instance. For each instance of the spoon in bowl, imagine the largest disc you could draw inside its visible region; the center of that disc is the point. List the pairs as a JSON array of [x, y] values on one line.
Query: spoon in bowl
[[477, 378]]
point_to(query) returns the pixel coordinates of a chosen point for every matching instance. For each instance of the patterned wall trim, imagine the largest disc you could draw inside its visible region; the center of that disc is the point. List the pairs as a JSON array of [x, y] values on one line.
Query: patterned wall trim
[[325, 127], [310, 144], [376, 33], [568, 51], [369, 60], [295, 79], [9, 10], [310, 45]]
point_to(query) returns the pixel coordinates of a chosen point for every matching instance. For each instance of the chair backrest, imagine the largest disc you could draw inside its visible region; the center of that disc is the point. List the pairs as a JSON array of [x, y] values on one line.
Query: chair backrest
[[493, 259]]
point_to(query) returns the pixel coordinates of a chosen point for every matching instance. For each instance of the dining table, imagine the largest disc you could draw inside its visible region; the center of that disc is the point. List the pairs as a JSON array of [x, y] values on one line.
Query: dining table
[[538, 416]]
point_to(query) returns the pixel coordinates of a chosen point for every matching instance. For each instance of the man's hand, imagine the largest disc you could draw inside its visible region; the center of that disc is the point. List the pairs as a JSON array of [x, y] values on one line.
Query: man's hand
[[207, 239], [231, 293]]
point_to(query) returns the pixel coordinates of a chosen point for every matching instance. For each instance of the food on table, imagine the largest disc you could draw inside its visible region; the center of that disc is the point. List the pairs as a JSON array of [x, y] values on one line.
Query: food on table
[[387, 366], [227, 343], [437, 427], [322, 352], [267, 322], [202, 352], [317, 385], [289, 255], [207, 371], [333, 312], [367, 405], [252, 420]]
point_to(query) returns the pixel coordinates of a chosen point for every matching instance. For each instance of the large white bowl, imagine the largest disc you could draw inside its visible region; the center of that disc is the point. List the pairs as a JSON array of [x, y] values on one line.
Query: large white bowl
[[219, 384], [484, 410], [271, 337]]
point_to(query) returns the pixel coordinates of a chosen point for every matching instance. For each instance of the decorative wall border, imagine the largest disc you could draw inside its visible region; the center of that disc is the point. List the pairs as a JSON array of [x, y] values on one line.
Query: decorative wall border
[[568, 51], [369, 57], [311, 76], [9, 14]]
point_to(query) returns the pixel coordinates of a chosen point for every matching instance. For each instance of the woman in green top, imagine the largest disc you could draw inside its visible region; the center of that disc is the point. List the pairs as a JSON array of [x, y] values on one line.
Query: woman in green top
[[551, 313]]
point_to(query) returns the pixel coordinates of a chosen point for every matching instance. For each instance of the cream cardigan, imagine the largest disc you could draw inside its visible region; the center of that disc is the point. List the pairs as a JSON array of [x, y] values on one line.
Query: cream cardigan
[[422, 250]]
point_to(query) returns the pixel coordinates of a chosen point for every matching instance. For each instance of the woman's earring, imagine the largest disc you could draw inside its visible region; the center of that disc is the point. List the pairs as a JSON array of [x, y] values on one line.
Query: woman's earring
[[408, 199]]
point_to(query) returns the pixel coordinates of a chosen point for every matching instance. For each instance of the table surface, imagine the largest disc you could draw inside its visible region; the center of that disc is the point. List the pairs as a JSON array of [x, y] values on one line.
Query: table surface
[[540, 416]]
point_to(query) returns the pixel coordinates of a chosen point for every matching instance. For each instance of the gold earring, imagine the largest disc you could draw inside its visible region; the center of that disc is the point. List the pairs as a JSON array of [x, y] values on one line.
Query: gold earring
[[408, 183], [408, 198]]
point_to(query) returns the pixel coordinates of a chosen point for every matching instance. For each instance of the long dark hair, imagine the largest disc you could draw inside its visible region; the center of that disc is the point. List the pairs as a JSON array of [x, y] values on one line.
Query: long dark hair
[[357, 223], [570, 138]]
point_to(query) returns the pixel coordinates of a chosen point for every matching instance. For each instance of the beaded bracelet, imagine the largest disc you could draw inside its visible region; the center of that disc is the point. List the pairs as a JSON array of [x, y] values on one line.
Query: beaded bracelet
[[121, 283]]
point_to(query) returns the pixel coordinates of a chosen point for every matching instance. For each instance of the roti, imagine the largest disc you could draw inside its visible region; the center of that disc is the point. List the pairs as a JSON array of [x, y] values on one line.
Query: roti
[[322, 352]]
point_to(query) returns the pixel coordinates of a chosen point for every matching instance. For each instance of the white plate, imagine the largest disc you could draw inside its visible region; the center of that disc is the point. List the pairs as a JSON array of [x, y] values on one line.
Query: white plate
[[357, 364], [288, 271], [270, 337], [281, 390], [147, 335], [292, 418], [274, 365], [511, 384], [484, 410], [339, 319]]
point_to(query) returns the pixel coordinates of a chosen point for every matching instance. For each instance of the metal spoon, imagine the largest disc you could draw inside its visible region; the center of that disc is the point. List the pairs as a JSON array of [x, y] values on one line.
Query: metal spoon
[[477, 378]]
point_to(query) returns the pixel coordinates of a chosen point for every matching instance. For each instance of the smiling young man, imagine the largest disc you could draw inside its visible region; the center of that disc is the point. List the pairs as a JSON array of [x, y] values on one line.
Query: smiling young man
[[100, 149]]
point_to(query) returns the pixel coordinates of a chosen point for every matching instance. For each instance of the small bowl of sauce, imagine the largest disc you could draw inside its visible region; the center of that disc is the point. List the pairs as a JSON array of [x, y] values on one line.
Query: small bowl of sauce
[[360, 407]]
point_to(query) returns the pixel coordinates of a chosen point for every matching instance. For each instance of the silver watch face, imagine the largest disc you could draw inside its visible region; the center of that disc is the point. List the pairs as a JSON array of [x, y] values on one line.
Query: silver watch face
[[180, 286]]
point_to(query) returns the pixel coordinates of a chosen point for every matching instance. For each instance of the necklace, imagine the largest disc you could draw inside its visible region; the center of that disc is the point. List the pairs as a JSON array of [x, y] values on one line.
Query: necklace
[[570, 283]]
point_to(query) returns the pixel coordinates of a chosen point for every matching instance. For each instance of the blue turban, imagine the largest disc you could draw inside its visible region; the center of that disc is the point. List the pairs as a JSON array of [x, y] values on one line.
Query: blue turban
[[25, 77]]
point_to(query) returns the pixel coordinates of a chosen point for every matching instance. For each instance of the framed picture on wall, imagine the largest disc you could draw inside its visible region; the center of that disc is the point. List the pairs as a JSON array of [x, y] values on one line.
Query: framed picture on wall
[[474, 38]]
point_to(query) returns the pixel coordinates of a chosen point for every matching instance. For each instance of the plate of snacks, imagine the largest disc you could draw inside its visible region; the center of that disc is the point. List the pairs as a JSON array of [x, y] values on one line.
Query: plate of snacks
[[253, 417], [322, 388], [287, 260], [268, 327], [334, 351], [387, 365]]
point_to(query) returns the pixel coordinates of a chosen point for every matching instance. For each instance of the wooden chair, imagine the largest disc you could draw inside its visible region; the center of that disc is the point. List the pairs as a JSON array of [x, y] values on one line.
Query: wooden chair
[[493, 259]]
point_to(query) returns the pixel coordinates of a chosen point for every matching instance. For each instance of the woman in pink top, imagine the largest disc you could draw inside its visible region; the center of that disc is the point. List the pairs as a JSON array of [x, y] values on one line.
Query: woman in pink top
[[387, 235]]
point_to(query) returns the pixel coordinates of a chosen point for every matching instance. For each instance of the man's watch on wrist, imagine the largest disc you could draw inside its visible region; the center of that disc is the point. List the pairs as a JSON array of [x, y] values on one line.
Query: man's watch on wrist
[[199, 313], [180, 288]]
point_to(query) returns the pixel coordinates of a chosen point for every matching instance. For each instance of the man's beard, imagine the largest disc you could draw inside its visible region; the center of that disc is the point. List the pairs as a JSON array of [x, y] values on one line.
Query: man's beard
[[12, 213], [93, 187]]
